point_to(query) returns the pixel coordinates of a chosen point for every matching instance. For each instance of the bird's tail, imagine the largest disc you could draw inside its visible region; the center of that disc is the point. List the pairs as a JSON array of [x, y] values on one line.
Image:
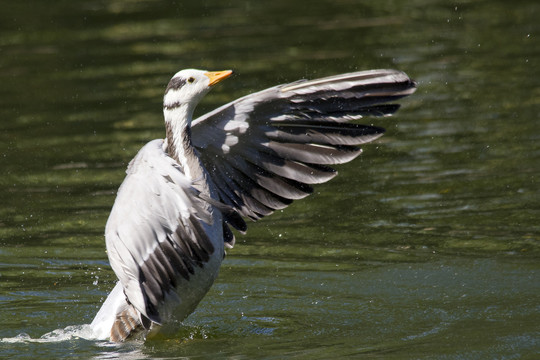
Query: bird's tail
[[117, 319], [126, 324]]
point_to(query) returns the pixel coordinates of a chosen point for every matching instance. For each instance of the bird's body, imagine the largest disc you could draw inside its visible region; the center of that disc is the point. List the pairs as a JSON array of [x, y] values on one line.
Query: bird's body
[[169, 227]]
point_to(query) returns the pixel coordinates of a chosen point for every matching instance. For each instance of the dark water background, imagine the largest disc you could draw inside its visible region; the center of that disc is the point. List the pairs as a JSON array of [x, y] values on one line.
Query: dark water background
[[426, 247]]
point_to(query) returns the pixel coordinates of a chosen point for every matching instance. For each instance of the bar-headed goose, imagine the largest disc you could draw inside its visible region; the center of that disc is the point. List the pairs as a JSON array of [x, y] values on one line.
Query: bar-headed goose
[[170, 224]]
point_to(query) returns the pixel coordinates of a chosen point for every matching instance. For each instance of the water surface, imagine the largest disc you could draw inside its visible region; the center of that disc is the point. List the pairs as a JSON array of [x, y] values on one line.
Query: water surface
[[425, 247]]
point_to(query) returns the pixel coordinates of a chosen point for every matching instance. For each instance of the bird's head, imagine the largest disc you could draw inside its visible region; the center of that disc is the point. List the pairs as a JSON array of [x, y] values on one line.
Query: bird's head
[[187, 87]]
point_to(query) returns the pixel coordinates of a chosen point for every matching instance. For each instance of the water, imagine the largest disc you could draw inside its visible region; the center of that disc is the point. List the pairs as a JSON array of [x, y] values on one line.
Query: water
[[426, 247]]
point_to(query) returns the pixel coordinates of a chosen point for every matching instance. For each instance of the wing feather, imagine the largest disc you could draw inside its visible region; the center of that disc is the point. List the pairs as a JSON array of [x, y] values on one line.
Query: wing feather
[[265, 150], [155, 234]]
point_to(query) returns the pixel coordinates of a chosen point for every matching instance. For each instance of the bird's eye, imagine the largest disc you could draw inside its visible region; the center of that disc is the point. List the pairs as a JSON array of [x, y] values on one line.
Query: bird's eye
[[190, 79]]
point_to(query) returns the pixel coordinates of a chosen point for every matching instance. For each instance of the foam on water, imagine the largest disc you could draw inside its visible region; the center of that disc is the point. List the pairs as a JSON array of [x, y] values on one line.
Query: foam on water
[[72, 332]]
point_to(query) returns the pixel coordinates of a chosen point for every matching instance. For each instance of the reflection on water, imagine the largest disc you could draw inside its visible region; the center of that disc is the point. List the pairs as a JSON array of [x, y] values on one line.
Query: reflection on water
[[426, 247]]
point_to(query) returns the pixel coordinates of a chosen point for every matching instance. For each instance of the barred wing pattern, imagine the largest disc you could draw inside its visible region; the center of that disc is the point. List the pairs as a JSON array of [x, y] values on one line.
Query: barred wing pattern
[[155, 234], [266, 149]]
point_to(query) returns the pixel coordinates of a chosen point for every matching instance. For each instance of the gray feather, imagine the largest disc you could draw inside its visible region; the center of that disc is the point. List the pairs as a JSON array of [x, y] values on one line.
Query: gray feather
[[154, 234], [264, 150]]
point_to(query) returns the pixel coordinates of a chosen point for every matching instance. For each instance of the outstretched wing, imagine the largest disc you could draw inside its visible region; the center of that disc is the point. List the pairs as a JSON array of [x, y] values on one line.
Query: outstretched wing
[[155, 233], [266, 149]]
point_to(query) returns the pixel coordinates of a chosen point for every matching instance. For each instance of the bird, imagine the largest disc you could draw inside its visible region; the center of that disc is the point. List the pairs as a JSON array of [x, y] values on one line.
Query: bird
[[170, 225]]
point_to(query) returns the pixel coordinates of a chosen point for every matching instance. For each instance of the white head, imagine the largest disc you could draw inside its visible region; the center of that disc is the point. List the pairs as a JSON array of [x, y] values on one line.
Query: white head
[[187, 87], [185, 90]]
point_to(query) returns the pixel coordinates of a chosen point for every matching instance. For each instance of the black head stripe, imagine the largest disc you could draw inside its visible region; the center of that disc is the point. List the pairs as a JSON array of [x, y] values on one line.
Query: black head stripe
[[175, 83]]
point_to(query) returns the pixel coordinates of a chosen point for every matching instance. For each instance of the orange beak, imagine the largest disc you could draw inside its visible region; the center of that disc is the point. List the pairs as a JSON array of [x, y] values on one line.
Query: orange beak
[[217, 76]]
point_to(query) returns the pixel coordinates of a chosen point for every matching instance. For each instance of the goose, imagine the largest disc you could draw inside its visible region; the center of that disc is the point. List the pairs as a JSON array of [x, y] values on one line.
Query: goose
[[171, 221]]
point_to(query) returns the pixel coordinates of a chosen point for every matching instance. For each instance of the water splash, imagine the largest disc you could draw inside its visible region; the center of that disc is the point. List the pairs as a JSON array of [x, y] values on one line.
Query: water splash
[[74, 340], [72, 332]]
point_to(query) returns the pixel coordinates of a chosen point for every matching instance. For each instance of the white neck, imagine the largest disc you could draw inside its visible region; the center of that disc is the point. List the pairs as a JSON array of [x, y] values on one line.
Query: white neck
[[178, 128]]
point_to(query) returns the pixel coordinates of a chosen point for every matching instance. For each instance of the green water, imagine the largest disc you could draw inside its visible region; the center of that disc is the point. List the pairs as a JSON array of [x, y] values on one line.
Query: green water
[[426, 247]]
